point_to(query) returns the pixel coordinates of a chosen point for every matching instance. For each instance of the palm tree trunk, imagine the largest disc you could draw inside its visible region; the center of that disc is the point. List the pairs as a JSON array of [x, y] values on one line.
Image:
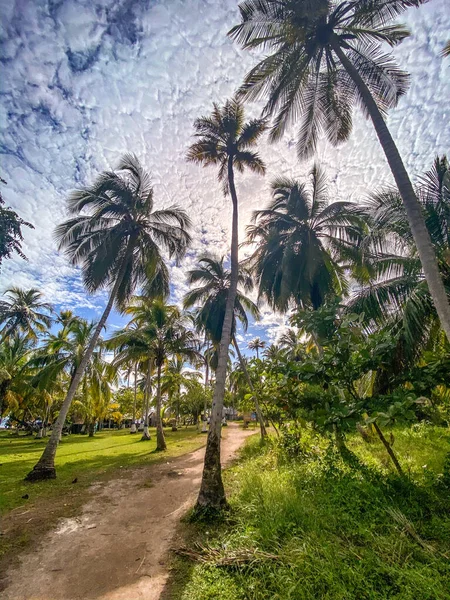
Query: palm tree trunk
[[412, 206], [250, 384], [204, 424], [160, 440], [145, 433], [133, 422], [45, 467], [212, 493], [389, 450]]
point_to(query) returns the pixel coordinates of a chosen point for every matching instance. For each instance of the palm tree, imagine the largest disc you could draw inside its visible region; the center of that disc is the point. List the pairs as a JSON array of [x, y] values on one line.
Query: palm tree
[[393, 291], [11, 234], [327, 57], [116, 237], [95, 391], [446, 50], [256, 344], [15, 354], [211, 296], [23, 312], [174, 378], [161, 334], [291, 344], [129, 355], [303, 243], [224, 140]]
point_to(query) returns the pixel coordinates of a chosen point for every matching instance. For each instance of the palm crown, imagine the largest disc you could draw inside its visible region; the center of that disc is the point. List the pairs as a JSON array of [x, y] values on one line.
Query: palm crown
[[256, 344], [394, 290], [213, 281], [117, 230], [302, 242], [24, 312], [304, 76], [224, 137]]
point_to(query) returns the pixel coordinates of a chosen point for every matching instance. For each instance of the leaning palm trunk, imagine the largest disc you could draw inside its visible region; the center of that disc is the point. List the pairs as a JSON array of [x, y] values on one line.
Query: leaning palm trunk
[[413, 209], [160, 440], [252, 389], [212, 493], [204, 424], [133, 423], [146, 433], [45, 467]]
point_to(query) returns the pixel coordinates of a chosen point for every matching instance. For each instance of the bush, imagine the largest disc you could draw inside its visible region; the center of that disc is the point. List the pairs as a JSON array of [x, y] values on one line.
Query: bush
[[336, 529]]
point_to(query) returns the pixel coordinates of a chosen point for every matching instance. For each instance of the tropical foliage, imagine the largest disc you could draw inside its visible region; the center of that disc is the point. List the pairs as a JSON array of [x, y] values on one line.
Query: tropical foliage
[[363, 285]]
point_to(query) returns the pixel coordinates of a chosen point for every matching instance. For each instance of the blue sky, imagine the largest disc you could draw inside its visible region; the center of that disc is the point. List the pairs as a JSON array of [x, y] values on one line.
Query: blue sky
[[85, 81]]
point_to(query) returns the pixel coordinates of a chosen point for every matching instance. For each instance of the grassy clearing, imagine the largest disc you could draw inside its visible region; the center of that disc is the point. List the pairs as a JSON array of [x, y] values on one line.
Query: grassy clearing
[[340, 529], [108, 454]]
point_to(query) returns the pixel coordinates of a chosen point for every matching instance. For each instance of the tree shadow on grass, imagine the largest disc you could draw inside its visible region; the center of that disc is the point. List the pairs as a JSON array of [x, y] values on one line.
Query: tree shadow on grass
[[180, 575]]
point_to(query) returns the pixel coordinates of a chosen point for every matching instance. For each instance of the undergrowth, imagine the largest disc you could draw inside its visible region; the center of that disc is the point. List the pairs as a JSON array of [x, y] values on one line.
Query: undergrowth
[[333, 526]]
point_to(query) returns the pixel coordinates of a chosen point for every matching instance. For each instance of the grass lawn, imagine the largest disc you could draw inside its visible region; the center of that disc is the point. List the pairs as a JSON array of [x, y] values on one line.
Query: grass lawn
[[336, 528], [79, 457]]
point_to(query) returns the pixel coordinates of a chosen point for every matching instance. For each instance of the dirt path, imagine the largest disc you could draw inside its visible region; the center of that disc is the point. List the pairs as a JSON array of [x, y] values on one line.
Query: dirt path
[[117, 548]]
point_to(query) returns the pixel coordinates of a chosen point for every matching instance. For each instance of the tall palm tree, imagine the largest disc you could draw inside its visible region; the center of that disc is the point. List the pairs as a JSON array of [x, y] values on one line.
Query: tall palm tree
[[211, 296], [256, 344], [328, 57], [225, 140], [303, 243], [116, 236], [393, 291], [23, 312]]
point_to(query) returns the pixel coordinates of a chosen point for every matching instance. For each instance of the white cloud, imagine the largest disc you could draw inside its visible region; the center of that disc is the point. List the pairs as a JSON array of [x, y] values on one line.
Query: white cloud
[[85, 81]]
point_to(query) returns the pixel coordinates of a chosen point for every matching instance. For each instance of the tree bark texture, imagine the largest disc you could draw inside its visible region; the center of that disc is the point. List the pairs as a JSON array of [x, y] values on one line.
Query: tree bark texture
[[212, 494], [160, 440], [145, 433]]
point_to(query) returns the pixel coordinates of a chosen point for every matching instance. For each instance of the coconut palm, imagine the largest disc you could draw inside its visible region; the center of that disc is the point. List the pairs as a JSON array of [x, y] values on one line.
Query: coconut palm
[[303, 243], [95, 391], [446, 50], [256, 344], [161, 334], [393, 290], [174, 378], [116, 236], [328, 57], [211, 296], [11, 234], [128, 355], [23, 312], [224, 140], [291, 344], [15, 354]]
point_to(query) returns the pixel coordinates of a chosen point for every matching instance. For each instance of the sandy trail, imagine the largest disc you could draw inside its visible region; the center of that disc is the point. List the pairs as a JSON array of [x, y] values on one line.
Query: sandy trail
[[117, 548]]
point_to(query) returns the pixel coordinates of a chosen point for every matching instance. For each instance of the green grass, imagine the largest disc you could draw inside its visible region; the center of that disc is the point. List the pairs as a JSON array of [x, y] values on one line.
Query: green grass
[[80, 457], [341, 528]]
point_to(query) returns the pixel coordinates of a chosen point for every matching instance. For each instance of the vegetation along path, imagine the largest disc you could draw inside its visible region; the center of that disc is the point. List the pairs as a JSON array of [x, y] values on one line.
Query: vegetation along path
[[116, 549]]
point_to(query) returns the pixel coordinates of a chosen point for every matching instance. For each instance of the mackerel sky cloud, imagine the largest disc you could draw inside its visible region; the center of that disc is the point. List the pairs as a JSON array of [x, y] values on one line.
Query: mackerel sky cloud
[[85, 81]]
